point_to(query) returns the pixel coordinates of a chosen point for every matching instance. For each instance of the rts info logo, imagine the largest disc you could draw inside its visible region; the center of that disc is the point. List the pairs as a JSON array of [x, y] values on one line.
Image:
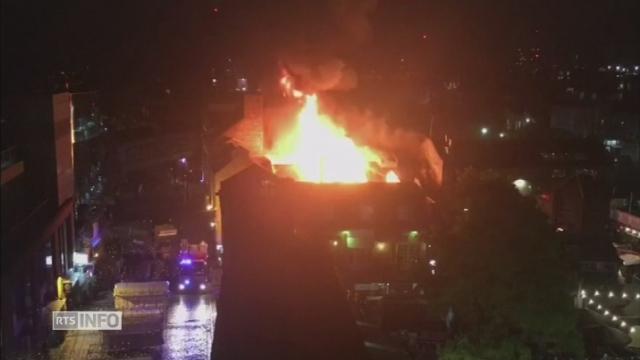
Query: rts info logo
[[86, 320]]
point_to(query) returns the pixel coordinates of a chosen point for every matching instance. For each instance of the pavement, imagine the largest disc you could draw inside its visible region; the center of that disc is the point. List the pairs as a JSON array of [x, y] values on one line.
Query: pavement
[[188, 334]]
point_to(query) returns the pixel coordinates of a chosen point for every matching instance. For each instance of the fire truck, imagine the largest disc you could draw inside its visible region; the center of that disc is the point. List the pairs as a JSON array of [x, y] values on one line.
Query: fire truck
[[193, 269]]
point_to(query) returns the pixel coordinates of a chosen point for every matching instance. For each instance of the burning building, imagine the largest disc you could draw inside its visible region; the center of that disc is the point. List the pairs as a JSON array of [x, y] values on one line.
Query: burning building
[[306, 215]]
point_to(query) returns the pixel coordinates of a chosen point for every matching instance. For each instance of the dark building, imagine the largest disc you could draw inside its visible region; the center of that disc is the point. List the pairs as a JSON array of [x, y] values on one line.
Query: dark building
[[37, 214], [571, 179], [544, 159], [291, 252], [618, 128], [579, 209], [89, 153]]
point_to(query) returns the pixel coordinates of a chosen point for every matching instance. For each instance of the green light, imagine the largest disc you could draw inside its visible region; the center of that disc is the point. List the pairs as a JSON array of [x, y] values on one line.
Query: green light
[[349, 239], [352, 242], [413, 235]]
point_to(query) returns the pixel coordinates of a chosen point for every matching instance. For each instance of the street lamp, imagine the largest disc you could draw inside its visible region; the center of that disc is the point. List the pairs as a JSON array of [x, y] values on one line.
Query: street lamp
[[523, 186]]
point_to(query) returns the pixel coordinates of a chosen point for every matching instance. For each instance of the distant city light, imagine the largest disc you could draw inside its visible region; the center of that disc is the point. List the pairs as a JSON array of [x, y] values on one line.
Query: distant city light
[[181, 286], [465, 209], [432, 262], [209, 207], [203, 286], [335, 242], [527, 119], [502, 135], [212, 224], [559, 229], [183, 160], [185, 262], [381, 246], [187, 282], [484, 130]]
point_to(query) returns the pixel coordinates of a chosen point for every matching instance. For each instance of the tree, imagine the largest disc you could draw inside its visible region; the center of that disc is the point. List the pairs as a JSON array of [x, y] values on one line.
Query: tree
[[505, 274]]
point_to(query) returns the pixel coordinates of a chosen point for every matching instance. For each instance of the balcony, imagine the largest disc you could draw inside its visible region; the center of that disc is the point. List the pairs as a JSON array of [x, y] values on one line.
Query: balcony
[[12, 165]]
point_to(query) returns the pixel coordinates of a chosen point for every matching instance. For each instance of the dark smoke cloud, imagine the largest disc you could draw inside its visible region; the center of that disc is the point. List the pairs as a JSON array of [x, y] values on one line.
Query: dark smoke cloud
[[353, 18], [316, 56], [411, 152]]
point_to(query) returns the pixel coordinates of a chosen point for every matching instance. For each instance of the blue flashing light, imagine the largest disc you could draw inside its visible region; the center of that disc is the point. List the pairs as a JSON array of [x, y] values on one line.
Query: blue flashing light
[[96, 241], [185, 262]]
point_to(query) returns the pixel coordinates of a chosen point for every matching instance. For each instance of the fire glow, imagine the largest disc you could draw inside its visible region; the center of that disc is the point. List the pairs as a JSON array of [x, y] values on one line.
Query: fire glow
[[319, 151]]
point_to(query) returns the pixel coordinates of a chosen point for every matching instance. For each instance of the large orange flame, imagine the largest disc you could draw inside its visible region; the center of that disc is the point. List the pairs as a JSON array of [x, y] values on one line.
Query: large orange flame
[[319, 151]]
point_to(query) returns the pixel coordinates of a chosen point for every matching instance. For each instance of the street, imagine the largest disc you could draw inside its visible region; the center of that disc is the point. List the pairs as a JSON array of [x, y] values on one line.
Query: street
[[189, 331], [188, 334]]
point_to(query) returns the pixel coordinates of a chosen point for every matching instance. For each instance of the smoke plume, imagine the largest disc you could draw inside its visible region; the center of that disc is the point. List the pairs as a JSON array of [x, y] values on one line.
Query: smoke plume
[[316, 58]]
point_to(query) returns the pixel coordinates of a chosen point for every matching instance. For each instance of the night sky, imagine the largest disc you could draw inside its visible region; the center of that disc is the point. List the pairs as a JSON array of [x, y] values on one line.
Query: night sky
[[142, 46]]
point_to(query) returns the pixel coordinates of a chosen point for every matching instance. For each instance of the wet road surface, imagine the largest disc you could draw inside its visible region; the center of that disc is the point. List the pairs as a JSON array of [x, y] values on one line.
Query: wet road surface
[[189, 331], [188, 335]]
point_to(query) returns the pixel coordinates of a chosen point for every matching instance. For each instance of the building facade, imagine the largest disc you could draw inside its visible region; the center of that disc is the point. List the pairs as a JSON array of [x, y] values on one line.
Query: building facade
[[37, 215]]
